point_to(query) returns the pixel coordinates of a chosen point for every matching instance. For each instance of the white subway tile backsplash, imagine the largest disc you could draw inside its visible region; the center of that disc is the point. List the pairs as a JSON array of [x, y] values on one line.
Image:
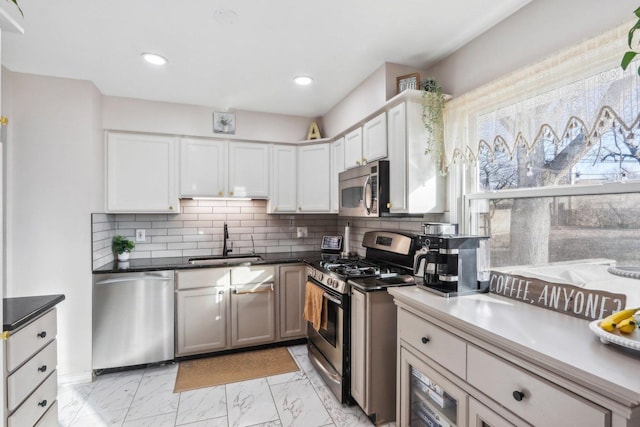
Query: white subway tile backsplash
[[197, 230]]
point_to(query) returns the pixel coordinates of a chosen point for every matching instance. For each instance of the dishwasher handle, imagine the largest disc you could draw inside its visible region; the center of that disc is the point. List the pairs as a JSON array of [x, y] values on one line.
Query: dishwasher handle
[[265, 287], [131, 279]]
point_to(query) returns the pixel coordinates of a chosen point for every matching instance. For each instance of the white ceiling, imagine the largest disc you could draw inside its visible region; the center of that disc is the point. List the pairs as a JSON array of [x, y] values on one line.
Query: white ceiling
[[241, 54]]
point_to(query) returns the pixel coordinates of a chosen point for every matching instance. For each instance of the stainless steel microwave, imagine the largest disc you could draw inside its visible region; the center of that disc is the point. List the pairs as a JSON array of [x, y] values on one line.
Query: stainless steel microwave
[[364, 190]]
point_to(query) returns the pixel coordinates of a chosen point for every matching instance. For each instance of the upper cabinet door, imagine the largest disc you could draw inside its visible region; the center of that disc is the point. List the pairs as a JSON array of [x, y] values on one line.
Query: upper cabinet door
[[397, 136], [337, 166], [374, 138], [314, 178], [283, 179], [248, 170], [202, 168], [141, 173], [353, 149]]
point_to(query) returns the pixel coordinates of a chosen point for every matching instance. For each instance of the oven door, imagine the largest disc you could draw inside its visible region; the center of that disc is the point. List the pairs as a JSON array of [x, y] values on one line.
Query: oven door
[[330, 340]]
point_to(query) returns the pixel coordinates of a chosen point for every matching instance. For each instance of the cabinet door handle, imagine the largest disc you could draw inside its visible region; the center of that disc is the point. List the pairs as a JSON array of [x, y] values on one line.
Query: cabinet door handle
[[42, 334], [518, 395], [231, 193], [424, 340], [170, 208], [43, 368], [43, 403]]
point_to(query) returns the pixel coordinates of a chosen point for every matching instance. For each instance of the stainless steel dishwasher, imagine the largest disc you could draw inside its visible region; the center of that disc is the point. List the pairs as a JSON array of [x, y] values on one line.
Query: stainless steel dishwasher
[[133, 319]]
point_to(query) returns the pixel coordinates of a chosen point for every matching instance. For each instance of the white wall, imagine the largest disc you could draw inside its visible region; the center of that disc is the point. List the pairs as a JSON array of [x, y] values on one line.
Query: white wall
[[533, 33], [191, 120], [54, 181]]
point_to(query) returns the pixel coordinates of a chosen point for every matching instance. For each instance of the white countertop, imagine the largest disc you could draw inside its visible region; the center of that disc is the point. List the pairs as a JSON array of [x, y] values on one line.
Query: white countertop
[[553, 341]]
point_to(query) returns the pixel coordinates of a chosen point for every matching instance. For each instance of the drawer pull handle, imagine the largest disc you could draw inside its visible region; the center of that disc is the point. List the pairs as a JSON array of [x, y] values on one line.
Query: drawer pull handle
[[42, 334], [43, 403], [518, 395], [424, 340], [43, 368]]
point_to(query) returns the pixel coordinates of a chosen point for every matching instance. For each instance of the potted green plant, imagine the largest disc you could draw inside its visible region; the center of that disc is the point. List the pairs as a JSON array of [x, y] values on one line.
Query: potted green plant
[[433, 120], [122, 246]]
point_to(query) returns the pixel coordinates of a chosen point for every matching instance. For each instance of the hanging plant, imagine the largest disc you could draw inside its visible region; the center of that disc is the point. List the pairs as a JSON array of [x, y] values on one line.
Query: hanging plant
[[631, 54], [432, 118]]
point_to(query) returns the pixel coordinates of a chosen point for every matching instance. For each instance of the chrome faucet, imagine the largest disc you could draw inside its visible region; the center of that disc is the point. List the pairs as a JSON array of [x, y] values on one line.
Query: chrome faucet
[[225, 250]]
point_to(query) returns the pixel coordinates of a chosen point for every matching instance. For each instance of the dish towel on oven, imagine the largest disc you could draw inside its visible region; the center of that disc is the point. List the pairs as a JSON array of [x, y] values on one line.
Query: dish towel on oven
[[314, 307]]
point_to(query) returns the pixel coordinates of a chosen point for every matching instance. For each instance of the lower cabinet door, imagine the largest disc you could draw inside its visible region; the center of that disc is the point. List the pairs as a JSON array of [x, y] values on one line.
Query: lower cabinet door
[[427, 398], [32, 409], [252, 314], [201, 320], [291, 288], [481, 416]]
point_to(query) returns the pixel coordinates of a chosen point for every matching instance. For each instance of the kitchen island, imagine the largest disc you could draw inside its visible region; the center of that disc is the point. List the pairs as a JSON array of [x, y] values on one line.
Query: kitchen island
[[508, 363]]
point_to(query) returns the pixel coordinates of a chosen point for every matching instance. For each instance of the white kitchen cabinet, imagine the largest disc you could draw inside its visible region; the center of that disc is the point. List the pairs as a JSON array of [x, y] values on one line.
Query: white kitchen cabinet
[[252, 306], [353, 149], [416, 186], [202, 310], [314, 178], [141, 173], [337, 166], [30, 371], [202, 167], [284, 173], [248, 170], [374, 138], [291, 287]]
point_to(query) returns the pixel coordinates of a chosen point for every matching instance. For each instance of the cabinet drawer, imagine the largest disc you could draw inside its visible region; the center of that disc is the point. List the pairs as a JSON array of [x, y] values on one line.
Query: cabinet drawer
[[37, 404], [24, 343], [203, 277], [541, 402], [252, 274], [50, 418], [22, 382], [441, 346]]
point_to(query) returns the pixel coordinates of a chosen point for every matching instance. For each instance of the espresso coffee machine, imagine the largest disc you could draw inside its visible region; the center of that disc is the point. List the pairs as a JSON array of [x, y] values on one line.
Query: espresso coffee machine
[[456, 265]]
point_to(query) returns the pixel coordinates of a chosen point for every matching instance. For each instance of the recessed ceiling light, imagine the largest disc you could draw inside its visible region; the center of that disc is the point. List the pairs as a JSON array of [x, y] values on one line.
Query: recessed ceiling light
[[303, 80], [154, 58]]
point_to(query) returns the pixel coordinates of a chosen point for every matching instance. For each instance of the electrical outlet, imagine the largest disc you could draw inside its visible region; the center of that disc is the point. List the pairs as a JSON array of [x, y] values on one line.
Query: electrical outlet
[[301, 232], [140, 235]]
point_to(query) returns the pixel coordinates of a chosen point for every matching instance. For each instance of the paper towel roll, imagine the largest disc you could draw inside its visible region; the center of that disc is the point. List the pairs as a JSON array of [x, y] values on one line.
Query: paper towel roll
[[346, 244]]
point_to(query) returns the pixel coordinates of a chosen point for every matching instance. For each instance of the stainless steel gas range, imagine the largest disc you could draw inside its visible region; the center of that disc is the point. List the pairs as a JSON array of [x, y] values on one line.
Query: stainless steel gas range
[[388, 262]]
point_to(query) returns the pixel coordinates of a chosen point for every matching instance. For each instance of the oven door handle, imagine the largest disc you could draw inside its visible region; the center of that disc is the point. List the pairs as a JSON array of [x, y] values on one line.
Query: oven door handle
[[332, 299], [367, 183]]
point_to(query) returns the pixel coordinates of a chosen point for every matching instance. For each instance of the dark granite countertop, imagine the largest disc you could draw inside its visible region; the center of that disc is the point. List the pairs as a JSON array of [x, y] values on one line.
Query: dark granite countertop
[[179, 263], [21, 310]]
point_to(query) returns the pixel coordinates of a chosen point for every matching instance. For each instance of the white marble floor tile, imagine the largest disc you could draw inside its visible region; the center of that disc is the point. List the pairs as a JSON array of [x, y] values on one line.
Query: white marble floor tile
[[89, 416], [169, 368], [298, 349], [114, 391], [284, 378], [155, 396], [71, 398], [250, 403], [303, 361], [164, 420], [342, 415], [299, 405], [202, 404], [216, 422]]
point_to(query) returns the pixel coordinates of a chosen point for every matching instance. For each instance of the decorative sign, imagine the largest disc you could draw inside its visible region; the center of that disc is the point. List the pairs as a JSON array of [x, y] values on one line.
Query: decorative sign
[[314, 132], [590, 304], [409, 81]]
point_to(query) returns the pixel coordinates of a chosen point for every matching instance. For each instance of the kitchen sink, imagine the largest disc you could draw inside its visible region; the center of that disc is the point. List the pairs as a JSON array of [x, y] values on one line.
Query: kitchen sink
[[225, 260]]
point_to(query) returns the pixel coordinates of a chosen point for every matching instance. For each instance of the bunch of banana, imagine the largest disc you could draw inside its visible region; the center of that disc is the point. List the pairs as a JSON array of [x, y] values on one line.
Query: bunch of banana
[[622, 320]]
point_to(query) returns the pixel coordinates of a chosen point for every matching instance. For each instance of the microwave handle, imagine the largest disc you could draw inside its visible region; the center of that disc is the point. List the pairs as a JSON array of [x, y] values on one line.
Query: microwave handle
[[367, 182]]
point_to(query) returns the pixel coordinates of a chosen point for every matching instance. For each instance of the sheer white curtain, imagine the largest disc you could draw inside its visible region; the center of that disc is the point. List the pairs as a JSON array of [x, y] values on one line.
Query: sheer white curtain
[[583, 86]]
